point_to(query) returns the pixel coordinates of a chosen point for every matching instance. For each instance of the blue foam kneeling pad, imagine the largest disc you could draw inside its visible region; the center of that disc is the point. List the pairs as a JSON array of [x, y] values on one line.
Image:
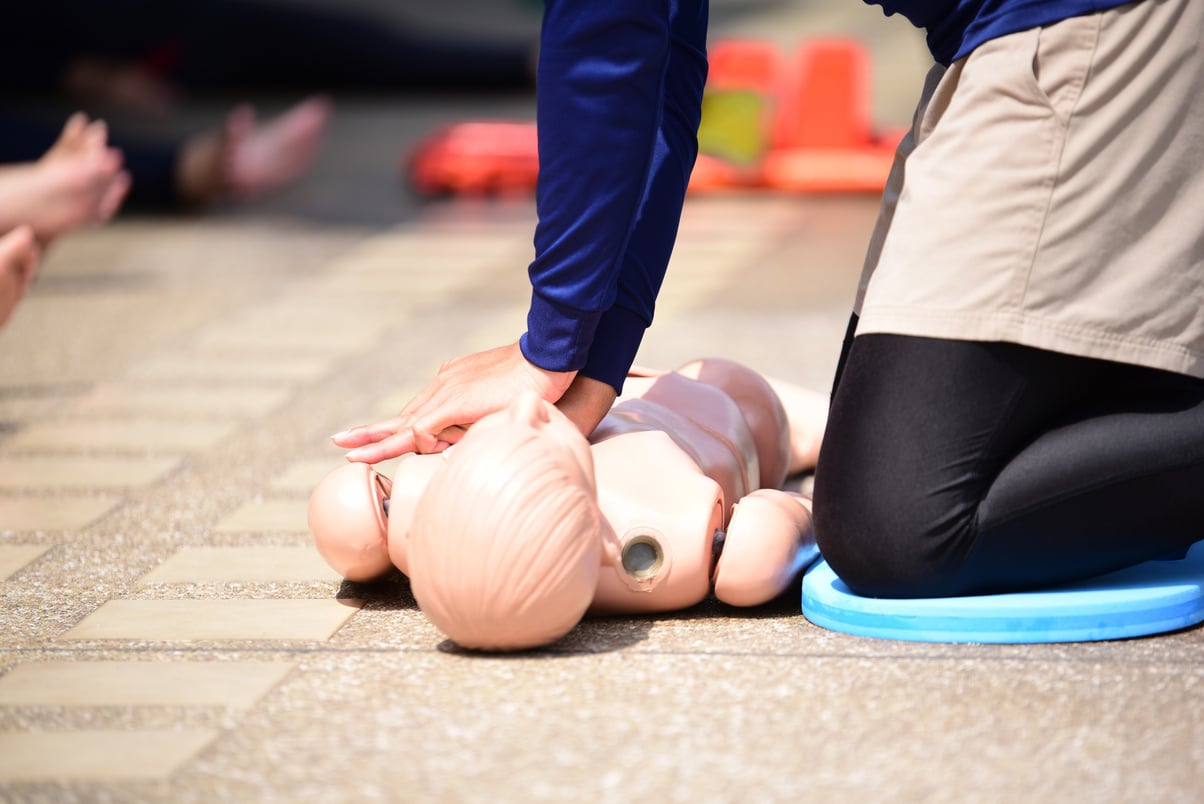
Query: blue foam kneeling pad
[[1149, 598]]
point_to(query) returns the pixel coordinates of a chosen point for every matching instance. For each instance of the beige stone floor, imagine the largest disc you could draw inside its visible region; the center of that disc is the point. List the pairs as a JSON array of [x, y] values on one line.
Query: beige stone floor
[[167, 633]]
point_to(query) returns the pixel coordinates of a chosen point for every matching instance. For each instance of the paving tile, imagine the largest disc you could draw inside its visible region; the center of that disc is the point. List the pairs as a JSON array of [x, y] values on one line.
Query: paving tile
[[28, 408], [318, 310], [305, 307], [140, 435], [403, 288], [34, 473], [102, 755], [266, 515], [501, 330], [232, 564], [14, 557], [225, 619], [689, 291], [33, 513], [297, 337], [302, 476], [439, 250], [236, 684], [118, 399], [232, 367], [395, 401]]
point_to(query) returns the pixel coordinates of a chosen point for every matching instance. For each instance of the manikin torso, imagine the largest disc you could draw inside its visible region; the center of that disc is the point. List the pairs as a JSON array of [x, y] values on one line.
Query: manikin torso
[[674, 459]]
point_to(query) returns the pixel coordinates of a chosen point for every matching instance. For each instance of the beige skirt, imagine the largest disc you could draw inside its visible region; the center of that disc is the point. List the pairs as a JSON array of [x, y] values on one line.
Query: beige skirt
[[1051, 193]]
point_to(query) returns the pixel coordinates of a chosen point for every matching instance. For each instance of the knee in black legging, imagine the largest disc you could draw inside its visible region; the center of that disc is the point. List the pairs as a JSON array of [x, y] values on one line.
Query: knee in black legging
[[897, 541]]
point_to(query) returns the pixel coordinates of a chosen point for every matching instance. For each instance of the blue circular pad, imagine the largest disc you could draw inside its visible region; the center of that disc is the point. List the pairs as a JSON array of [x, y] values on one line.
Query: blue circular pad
[[1150, 598]]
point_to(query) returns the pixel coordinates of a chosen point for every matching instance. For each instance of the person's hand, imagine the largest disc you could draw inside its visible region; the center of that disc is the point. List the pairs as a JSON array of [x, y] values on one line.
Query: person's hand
[[464, 390], [19, 255], [585, 402]]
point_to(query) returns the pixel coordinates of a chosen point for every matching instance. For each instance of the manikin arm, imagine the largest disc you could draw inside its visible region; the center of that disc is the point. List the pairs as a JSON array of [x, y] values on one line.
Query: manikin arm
[[769, 541]]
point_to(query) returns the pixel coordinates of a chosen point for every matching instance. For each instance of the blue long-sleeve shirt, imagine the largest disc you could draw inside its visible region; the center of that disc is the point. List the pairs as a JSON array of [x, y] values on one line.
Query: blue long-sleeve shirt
[[955, 27], [619, 97]]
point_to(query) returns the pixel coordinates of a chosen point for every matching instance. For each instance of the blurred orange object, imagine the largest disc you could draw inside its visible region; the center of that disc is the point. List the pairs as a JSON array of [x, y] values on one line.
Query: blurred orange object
[[476, 158], [825, 97], [813, 123], [800, 124], [739, 106], [823, 139]]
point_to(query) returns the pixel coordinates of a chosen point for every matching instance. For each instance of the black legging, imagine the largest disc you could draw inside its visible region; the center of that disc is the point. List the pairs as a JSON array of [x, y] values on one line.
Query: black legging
[[960, 467]]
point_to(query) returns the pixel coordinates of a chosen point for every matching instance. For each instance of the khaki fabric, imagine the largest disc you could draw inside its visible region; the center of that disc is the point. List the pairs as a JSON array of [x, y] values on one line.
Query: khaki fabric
[[1051, 193]]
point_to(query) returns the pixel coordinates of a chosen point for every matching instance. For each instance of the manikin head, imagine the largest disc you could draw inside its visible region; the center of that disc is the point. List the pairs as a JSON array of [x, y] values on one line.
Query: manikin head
[[505, 545]]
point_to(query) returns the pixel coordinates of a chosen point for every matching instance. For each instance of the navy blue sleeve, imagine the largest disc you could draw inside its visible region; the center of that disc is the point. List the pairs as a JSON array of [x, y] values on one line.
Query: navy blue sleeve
[[619, 98]]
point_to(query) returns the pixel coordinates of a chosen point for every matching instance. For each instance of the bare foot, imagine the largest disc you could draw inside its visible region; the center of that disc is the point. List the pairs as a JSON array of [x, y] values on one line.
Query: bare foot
[[19, 255], [78, 181], [88, 141], [807, 415], [246, 159]]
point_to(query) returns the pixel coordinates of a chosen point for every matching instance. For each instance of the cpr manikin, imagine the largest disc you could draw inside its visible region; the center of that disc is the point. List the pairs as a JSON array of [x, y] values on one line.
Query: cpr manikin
[[511, 536]]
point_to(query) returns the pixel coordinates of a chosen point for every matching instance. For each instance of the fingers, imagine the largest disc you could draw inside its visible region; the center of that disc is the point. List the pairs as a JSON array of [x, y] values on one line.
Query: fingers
[[113, 196], [367, 433], [464, 390], [402, 433], [29, 263], [352, 438], [373, 443], [452, 435], [383, 450], [370, 445], [19, 249], [19, 255], [424, 442]]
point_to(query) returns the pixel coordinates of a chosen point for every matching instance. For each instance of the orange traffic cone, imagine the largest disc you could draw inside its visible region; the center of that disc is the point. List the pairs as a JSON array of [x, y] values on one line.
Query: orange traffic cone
[[823, 140], [738, 108]]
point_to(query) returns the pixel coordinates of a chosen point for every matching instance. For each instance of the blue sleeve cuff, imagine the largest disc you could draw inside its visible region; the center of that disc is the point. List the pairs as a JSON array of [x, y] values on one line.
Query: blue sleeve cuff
[[555, 341], [557, 337], [616, 342]]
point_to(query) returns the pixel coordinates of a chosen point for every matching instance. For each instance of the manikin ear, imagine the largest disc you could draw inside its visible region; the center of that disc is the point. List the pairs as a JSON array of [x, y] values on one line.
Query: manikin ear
[[769, 542], [348, 521]]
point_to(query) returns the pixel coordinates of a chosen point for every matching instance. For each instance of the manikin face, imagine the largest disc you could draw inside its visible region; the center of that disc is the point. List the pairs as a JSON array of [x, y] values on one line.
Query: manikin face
[[556, 433], [504, 550]]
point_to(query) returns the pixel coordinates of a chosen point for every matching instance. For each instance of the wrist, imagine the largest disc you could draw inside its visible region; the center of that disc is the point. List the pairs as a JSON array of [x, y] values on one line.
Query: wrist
[[586, 402]]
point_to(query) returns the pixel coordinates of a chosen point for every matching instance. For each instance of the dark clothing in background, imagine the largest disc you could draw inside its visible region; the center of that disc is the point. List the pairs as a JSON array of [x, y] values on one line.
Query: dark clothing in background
[[242, 44]]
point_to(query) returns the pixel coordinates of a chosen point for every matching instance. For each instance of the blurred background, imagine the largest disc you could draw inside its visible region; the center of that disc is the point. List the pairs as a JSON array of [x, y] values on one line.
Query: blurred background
[[162, 72]]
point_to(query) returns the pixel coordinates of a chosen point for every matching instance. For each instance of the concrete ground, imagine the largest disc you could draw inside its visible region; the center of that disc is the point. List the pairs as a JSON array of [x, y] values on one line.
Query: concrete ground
[[167, 633]]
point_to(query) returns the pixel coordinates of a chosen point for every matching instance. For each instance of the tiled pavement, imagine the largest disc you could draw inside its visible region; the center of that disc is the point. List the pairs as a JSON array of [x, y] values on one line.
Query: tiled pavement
[[167, 633]]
